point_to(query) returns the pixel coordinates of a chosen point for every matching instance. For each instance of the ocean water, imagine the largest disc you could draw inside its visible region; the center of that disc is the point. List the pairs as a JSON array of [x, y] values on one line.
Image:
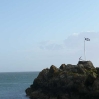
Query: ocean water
[[13, 85]]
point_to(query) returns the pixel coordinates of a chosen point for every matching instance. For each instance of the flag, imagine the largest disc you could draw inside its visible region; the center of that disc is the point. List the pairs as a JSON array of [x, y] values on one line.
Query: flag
[[87, 39]]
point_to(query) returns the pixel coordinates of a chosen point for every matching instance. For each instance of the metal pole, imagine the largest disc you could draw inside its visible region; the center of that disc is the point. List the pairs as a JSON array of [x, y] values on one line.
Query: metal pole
[[84, 50]]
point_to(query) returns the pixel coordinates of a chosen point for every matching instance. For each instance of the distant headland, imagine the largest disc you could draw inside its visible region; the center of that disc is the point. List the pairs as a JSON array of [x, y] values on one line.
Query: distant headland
[[69, 81]]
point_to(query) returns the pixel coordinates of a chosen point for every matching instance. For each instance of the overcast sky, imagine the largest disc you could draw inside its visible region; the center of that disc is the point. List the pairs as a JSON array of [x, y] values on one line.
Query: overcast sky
[[34, 34]]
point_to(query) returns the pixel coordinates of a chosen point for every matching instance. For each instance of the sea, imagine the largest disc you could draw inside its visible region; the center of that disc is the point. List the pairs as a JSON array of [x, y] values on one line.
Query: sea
[[13, 84]]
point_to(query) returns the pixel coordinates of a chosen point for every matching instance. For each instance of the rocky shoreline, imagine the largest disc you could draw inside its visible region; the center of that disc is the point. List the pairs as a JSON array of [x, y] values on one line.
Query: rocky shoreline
[[79, 81]]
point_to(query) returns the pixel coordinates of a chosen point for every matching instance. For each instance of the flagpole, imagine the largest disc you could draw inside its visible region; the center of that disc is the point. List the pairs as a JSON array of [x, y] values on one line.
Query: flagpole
[[85, 39], [84, 50]]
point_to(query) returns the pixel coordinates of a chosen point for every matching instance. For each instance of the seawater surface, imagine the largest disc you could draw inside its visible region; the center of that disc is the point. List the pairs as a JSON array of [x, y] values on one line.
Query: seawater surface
[[13, 84]]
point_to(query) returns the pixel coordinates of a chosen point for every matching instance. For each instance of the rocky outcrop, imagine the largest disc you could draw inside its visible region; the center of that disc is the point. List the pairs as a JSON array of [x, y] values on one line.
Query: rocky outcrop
[[79, 81]]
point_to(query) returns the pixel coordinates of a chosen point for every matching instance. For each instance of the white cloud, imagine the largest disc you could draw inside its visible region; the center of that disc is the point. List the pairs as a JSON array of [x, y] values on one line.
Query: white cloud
[[49, 52], [73, 47], [50, 45], [75, 34]]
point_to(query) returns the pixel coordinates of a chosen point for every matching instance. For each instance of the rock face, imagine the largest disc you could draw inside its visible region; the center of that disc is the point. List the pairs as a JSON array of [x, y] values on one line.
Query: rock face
[[79, 81]]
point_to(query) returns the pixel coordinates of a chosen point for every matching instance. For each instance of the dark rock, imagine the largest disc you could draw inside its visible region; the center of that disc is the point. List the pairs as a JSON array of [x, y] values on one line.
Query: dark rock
[[79, 81], [87, 64], [81, 69], [63, 67], [97, 68], [53, 69]]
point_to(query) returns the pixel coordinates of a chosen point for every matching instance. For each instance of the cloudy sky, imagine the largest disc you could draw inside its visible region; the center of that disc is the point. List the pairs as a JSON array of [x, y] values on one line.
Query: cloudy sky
[[34, 34]]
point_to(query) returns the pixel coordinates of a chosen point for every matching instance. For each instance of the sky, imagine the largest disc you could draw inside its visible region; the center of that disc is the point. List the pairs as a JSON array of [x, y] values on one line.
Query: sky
[[35, 34]]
